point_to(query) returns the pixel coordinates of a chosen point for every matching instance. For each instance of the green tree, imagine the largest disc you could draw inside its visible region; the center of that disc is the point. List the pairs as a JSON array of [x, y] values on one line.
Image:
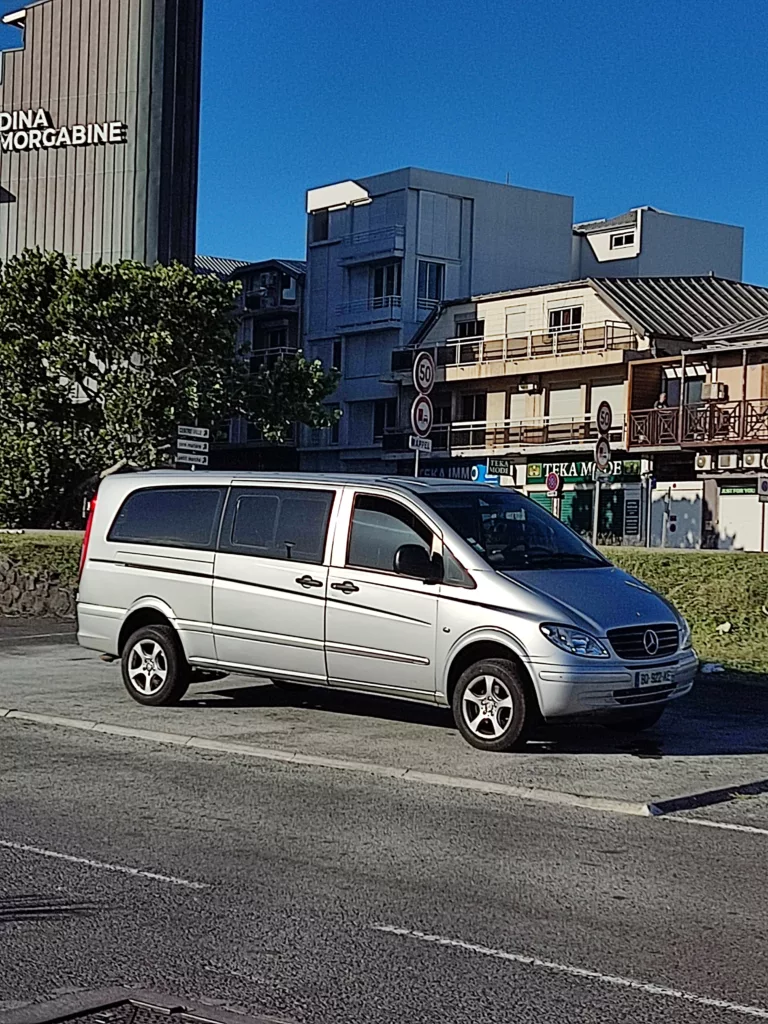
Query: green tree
[[101, 364]]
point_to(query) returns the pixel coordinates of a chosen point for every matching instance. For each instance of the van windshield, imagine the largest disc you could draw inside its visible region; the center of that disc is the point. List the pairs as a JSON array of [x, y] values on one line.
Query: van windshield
[[512, 532]]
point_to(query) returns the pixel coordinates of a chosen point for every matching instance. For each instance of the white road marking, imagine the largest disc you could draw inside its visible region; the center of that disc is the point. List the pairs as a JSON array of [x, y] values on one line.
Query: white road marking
[[730, 826], [120, 868], [578, 972]]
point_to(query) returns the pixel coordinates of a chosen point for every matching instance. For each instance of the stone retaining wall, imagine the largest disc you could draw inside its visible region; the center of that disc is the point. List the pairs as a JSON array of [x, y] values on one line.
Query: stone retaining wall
[[41, 594]]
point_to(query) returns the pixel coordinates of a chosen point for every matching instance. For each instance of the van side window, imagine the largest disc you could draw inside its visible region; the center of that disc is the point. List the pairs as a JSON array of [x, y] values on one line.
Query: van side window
[[277, 522], [175, 517], [379, 527]]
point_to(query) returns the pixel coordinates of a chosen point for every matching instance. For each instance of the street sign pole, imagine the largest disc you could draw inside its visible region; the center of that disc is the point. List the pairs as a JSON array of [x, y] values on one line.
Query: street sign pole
[[596, 510], [416, 463]]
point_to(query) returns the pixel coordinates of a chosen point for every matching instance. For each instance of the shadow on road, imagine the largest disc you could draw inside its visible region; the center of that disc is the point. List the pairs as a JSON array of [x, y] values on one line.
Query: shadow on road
[[722, 717]]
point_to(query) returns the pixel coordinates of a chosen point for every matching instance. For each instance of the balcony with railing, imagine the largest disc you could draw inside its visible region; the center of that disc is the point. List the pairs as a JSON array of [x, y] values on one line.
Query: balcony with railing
[[381, 310], [492, 437], [702, 423], [581, 340], [267, 357], [379, 243]]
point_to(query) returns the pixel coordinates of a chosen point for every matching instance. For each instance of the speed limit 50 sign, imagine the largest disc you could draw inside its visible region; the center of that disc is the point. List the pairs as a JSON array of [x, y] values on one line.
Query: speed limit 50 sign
[[423, 372]]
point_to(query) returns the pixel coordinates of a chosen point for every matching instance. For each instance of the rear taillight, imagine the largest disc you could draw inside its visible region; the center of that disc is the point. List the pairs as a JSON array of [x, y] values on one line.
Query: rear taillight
[[87, 537]]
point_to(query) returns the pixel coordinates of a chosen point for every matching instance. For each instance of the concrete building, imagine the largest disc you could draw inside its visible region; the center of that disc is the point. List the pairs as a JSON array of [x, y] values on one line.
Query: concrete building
[[271, 326], [647, 242], [99, 129], [382, 253], [524, 382]]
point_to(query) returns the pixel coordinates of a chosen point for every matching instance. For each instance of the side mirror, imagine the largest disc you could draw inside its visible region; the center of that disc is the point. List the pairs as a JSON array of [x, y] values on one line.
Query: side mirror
[[412, 560]]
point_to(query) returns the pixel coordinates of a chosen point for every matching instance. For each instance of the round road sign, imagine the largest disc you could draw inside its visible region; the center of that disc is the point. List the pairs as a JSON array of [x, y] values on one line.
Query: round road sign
[[602, 454], [604, 419], [423, 372], [422, 416], [553, 482]]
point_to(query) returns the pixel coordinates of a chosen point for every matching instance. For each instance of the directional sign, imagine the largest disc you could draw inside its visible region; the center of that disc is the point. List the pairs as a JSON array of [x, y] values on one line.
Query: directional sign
[[424, 372], [604, 419], [602, 454], [422, 415], [188, 459], [201, 433], [186, 445], [420, 444]]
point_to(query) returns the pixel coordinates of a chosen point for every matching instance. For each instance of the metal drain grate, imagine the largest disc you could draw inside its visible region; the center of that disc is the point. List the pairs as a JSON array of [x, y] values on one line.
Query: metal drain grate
[[124, 1006]]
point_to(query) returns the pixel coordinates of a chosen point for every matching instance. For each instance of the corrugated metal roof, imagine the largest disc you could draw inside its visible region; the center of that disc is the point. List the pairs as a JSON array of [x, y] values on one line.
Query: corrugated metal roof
[[217, 265], [683, 307], [628, 219], [744, 331], [293, 267]]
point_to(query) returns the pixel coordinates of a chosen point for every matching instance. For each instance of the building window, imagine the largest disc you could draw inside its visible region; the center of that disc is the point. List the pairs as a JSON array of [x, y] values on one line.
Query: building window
[[442, 406], [565, 319], [333, 430], [384, 416], [386, 282], [319, 226], [474, 408], [337, 354], [431, 284], [470, 328], [622, 241]]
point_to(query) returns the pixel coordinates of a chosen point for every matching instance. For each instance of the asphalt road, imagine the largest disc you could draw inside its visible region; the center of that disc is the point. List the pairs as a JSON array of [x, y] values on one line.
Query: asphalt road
[[271, 885]]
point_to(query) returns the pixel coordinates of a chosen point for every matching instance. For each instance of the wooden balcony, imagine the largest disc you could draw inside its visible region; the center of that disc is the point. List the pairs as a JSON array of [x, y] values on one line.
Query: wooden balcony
[[706, 423]]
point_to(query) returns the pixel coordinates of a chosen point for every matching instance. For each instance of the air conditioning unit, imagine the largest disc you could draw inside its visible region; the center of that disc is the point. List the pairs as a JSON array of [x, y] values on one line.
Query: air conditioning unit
[[728, 460], [752, 460], [703, 463], [715, 392]]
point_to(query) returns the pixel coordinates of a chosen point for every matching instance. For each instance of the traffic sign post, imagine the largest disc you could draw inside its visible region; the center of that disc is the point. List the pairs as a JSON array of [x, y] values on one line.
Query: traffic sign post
[[424, 372], [602, 458], [422, 418], [604, 419], [420, 444], [192, 446]]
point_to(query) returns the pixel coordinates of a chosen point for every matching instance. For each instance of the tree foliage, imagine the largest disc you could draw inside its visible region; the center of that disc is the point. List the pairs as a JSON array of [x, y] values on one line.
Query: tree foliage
[[101, 364]]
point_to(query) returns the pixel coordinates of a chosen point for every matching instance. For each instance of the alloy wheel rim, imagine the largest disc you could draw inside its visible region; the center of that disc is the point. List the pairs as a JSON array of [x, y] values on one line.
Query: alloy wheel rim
[[487, 707], [147, 667]]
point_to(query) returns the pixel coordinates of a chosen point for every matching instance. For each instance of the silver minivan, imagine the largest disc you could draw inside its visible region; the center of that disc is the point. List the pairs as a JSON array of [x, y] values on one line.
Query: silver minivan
[[465, 595]]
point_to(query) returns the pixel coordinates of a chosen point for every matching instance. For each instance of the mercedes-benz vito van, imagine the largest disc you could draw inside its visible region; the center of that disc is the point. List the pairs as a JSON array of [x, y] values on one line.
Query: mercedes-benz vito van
[[457, 594]]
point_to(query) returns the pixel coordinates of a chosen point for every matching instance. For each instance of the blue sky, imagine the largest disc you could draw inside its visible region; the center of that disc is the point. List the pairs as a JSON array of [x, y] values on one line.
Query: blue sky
[[660, 102], [619, 104]]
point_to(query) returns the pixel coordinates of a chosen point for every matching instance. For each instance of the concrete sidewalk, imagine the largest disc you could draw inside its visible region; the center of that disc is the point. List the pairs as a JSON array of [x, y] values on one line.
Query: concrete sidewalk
[[715, 739]]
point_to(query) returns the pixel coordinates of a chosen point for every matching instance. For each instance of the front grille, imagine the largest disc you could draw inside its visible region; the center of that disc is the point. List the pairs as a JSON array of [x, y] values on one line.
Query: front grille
[[629, 642]]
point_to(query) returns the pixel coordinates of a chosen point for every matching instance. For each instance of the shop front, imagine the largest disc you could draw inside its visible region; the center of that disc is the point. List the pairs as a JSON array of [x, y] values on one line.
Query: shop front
[[566, 487]]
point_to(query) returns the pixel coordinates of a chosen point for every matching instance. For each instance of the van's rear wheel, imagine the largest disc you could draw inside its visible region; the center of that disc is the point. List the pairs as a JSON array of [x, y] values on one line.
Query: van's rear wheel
[[155, 671], [490, 706]]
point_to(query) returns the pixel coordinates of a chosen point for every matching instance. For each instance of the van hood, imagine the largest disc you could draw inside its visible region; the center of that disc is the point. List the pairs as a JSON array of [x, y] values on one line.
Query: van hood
[[595, 599]]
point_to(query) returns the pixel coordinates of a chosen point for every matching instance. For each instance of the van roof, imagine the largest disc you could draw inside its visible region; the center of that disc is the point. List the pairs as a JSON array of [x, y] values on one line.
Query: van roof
[[415, 485]]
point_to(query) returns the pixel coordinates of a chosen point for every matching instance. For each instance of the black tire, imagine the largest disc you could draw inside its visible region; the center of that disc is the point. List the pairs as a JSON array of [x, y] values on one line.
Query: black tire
[[500, 675], [170, 679], [635, 721]]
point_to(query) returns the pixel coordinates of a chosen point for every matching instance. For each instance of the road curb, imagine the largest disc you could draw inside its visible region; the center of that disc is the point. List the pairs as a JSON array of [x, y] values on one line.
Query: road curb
[[707, 797], [548, 796]]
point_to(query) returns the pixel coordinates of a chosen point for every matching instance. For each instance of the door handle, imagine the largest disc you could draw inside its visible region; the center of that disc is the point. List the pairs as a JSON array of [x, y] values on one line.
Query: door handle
[[307, 582], [347, 587]]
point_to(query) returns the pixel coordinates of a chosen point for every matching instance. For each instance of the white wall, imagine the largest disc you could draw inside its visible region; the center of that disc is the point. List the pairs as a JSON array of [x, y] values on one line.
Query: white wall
[[686, 502]]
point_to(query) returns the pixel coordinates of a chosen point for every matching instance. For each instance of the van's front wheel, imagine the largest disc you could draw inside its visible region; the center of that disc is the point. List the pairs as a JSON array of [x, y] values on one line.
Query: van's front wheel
[[155, 671], [490, 706]]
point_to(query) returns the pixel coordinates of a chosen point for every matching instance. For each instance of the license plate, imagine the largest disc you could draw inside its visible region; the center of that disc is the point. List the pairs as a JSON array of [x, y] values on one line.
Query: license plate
[[654, 677]]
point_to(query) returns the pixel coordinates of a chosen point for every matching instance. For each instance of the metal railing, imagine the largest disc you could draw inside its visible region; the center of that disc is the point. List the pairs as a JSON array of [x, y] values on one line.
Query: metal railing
[[380, 304], [740, 422], [269, 356], [599, 337], [394, 233], [504, 435]]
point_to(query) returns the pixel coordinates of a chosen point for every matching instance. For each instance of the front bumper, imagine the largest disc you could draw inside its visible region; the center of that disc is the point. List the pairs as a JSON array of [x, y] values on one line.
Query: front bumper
[[591, 690]]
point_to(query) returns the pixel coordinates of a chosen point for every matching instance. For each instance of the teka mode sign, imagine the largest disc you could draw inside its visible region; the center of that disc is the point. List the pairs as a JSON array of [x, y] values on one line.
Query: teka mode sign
[[25, 130]]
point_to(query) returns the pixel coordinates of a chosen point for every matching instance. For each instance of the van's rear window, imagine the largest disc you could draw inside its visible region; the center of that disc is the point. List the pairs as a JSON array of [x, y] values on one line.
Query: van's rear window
[[177, 517]]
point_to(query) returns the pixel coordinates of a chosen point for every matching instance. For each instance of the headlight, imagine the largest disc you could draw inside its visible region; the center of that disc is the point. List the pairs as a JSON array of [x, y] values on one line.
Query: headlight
[[574, 641], [686, 641]]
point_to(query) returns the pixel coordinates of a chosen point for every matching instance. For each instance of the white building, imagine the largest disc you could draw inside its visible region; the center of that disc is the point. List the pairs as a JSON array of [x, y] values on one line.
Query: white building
[[382, 253]]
